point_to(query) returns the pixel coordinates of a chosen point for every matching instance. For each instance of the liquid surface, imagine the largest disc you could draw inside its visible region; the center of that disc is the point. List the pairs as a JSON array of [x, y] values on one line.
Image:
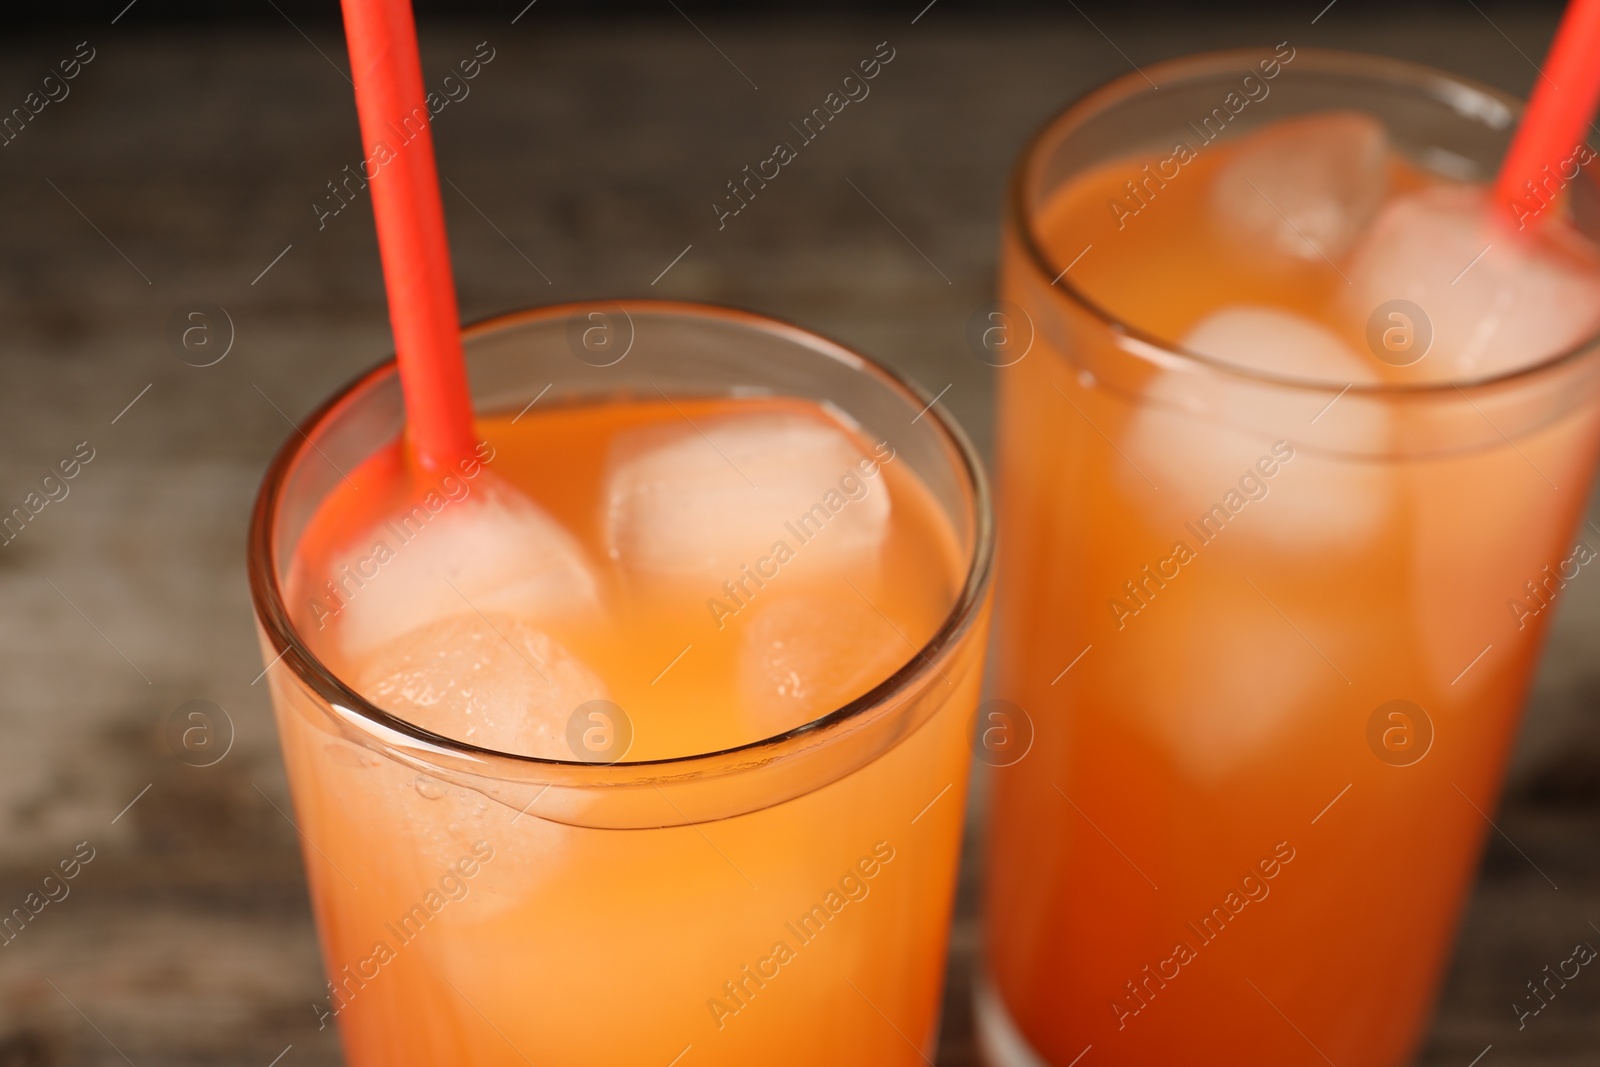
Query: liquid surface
[[716, 571], [1281, 219]]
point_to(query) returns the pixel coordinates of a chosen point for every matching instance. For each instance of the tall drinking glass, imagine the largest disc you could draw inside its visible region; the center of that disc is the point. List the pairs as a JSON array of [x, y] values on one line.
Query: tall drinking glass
[[1272, 695], [781, 901]]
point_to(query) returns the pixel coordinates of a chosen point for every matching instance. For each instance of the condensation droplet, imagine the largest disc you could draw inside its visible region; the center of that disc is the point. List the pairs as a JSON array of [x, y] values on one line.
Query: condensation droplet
[[1086, 379], [428, 788]]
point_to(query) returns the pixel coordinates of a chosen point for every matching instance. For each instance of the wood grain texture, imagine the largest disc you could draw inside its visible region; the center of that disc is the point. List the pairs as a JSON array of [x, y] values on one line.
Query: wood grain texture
[[586, 157]]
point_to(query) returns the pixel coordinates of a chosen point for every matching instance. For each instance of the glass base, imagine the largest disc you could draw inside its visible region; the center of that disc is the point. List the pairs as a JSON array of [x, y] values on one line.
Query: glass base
[[1000, 1042]]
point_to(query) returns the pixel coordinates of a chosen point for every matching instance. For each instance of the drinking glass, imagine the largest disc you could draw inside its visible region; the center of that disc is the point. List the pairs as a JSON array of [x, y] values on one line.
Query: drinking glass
[[781, 902], [1267, 729]]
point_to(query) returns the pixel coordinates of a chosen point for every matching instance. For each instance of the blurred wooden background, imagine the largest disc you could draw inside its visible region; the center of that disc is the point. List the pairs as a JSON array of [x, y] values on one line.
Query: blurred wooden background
[[185, 162]]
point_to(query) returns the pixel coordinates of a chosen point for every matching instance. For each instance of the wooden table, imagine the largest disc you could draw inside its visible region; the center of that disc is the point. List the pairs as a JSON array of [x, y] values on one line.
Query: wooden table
[[186, 165]]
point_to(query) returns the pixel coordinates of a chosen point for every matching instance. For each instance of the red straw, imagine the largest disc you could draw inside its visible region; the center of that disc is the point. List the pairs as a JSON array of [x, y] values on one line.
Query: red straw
[[397, 138], [1558, 113]]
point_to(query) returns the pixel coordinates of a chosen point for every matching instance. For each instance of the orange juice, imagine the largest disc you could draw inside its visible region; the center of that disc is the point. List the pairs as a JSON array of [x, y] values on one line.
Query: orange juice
[[637, 902], [1271, 632]]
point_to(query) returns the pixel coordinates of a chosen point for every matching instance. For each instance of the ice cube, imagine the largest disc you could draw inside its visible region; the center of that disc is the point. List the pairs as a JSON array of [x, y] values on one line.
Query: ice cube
[[704, 500], [495, 681], [422, 832], [811, 653], [1279, 343], [494, 550], [1496, 300], [1304, 187], [1218, 680], [1209, 443], [492, 680]]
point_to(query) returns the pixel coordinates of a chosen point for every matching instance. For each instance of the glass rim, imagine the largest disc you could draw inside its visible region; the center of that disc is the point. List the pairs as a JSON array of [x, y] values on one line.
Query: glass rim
[[1441, 84], [271, 612]]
